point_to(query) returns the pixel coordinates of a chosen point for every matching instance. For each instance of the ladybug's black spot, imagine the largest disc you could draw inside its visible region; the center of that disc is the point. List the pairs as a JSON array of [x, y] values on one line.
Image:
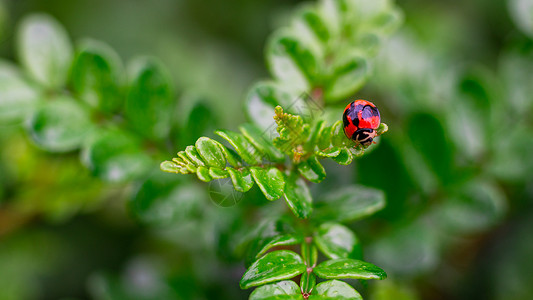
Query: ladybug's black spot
[[352, 114], [345, 121]]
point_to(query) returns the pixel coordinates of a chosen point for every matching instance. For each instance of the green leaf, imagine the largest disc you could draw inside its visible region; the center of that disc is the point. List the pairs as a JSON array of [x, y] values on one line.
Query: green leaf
[[245, 150], [298, 196], [149, 103], [307, 281], [337, 241], [44, 50], [286, 289], [335, 290], [348, 268], [291, 61], [171, 167], [309, 253], [203, 174], [18, 98], [293, 131], [217, 173], [350, 203], [96, 75], [345, 157], [262, 142], [271, 182], [274, 266], [314, 22], [241, 179], [61, 125], [273, 233], [210, 152], [349, 75], [116, 156], [194, 156], [312, 170]]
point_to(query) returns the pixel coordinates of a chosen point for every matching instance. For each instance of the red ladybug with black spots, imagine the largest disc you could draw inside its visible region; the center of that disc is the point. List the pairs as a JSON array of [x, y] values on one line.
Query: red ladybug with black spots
[[361, 119]]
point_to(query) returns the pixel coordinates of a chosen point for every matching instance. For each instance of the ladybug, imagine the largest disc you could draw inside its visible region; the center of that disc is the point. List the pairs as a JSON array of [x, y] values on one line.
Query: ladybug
[[361, 119]]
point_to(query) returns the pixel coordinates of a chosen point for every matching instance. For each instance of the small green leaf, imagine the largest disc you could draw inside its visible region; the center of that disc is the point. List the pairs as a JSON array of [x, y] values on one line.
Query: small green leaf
[[241, 179], [150, 99], [203, 174], [170, 166], [298, 197], [314, 21], [217, 173], [210, 152], [312, 170], [350, 203], [61, 125], [262, 142], [276, 290], [307, 282], [265, 243], [271, 182], [246, 150], [96, 75], [273, 233], [114, 155], [335, 290], [350, 74], [345, 157], [44, 49], [194, 156], [348, 268], [18, 99], [309, 253], [274, 266], [291, 61], [337, 241]]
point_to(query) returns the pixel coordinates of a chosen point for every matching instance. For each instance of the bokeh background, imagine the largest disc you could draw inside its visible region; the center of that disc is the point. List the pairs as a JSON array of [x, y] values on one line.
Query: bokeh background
[[454, 84]]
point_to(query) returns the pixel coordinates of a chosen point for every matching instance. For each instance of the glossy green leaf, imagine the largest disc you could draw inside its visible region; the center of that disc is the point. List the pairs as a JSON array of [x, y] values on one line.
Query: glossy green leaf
[[150, 99], [44, 50], [274, 266], [312, 170], [286, 289], [60, 125], [307, 281], [345, 157], [271, 182], [241, 179], [337, 241], [273, 233], [335, 290], [115, 155], [291, 61], [349, 203], [194, 156], [241, 145], [210, 152], [298, 196], [350, 74], [203, 174], [170, 167], [217, 173], [18, 99], [96, 75], [262, 142], [349, 268], [309, 252]]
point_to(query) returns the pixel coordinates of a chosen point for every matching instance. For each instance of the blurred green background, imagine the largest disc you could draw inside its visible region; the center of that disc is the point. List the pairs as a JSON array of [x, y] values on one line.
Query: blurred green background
[[454, 84]]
